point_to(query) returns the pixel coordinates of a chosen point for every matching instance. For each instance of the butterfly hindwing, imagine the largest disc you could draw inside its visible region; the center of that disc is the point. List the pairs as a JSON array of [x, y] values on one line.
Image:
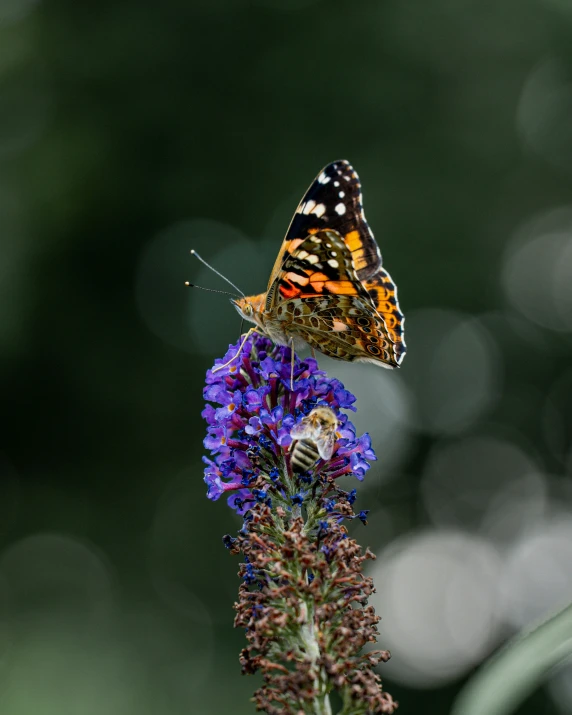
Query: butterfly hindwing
[[343, 327], [383, 294]]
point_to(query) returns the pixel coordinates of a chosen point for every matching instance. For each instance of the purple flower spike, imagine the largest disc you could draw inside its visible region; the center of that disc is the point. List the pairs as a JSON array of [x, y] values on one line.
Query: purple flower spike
[[250, 413]]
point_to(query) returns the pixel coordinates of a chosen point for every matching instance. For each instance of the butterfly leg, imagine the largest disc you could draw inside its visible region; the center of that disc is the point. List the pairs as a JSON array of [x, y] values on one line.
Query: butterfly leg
[[313, 352], [248, 334]]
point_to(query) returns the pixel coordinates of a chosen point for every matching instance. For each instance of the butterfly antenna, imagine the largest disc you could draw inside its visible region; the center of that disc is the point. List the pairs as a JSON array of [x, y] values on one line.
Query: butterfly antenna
[[211, 290], [214, 270]]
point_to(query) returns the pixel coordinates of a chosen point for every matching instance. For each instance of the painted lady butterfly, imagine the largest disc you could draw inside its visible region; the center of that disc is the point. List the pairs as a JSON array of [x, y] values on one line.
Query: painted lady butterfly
[[328, 288]]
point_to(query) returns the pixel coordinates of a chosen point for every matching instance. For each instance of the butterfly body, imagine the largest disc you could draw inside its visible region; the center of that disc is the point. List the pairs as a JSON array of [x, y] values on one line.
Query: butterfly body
[[328, 288]]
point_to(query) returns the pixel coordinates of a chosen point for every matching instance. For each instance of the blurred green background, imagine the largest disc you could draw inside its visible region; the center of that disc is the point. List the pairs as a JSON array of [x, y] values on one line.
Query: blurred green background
[[133, 131]]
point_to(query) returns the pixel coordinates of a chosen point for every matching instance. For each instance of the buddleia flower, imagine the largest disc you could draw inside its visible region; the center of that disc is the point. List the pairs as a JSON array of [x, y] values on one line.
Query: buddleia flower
[[303, 601]]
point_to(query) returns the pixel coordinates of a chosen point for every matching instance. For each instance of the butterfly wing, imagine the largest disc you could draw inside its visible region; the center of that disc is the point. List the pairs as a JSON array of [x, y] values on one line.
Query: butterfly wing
[[343, 327], [318, 295], [319, 265], [383, 294], [334, 202]]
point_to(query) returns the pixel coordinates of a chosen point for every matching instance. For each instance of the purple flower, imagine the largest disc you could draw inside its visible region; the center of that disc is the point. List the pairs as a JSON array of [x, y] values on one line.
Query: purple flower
[[298, 498], [250, 412], [241, 501]]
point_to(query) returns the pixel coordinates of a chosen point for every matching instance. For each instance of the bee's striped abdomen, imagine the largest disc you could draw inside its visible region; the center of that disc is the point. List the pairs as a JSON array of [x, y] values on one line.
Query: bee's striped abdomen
[[304, 455]]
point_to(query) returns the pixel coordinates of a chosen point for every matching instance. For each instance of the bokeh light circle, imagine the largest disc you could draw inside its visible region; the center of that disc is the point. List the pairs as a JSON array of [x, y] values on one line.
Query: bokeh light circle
[[144, 663], [562, 290], [557, 417], [384, 410], [452, 368], [213, 320], [165, 264], [437, 595], [12, 11], [462, 478], [537, 268], [172, 568], [543, 113], [537, 574], [516, 506], [55, 571], [26, 107], [193, 320]]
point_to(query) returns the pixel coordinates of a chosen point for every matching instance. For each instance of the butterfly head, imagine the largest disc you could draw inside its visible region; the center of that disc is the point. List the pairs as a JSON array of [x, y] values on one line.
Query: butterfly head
[[251, 308]]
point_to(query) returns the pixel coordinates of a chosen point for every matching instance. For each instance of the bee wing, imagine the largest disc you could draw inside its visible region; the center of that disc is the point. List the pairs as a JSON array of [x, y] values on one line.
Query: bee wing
[[303, 430], [325, 444]]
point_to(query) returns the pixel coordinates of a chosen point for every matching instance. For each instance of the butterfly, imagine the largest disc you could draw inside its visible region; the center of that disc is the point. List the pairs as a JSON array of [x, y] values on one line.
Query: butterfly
[[328, 288]]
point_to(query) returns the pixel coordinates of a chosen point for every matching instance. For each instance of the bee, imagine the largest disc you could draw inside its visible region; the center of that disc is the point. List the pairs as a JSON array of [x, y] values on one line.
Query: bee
[[314, 437]]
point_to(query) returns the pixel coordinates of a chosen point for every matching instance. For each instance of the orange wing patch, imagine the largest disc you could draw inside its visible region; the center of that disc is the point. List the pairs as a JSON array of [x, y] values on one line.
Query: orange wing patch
[[341, 287], [355, 243], [383, 294]]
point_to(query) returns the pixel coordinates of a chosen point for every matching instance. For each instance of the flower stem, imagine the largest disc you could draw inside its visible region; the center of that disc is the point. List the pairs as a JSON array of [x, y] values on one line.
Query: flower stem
[[310, 643]]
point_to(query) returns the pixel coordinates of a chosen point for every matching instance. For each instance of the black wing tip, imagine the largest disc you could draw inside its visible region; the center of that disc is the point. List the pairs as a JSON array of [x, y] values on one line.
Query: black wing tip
[[342, 162]]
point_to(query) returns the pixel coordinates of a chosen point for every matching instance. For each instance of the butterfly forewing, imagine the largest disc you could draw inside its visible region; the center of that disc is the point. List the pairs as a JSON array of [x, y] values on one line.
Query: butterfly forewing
[[319, 265], [334, 201]]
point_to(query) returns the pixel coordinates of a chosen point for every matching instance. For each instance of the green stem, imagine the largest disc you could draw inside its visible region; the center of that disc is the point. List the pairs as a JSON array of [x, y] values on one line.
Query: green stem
[[312, 649], [516, 670]]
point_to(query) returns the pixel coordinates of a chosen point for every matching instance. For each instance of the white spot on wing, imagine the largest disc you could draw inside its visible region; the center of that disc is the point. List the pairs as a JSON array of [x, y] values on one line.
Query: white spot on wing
[[300, 280], [320, 210], [334, 253], [323, 179], [333, 263], [342, 194], [336, 183], [340, 209], [312, 258], [308, 208]]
